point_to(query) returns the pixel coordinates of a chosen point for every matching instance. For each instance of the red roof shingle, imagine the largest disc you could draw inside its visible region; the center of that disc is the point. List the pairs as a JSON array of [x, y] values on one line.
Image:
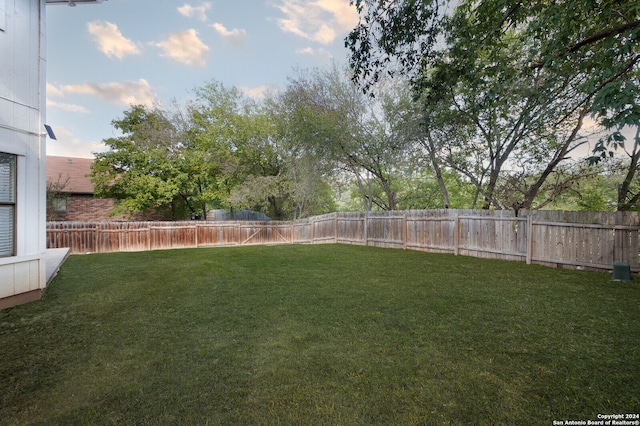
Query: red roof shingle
[[59, 169]]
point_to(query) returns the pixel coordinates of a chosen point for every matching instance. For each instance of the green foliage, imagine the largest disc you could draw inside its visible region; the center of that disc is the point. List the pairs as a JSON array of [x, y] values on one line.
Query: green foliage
[[419, 191], [139, 169], [220, 151], [329, 119], [522, 76], [472, 102], [567, 38]]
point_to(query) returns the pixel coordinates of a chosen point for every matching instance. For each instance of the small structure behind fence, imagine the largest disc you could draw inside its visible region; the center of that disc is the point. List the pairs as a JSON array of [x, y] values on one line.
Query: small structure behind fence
[[553, 238]]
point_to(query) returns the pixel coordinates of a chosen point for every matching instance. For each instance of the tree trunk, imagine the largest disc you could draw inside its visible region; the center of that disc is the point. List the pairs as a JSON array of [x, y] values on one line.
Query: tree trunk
[[624, 202], [560, 155], [488, 196], [431, 150]]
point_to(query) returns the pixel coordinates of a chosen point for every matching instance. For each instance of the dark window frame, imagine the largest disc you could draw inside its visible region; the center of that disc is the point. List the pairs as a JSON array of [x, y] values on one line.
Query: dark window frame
[[8, 198]]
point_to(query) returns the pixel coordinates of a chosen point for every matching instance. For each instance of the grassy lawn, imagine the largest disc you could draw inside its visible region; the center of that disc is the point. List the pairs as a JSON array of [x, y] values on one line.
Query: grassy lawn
[[326, 334]]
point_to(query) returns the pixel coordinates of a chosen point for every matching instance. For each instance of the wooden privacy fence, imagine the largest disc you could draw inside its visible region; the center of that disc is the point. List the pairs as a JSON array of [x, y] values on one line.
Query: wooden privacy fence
[[105, 237], [559, 239]]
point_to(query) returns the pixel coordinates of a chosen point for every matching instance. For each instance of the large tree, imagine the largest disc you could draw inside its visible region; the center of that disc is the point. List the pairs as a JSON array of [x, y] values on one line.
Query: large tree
[[619, 112], [216, 131], [333, 121], [258, 167], [221, 150], [139, 170], [524, 76]]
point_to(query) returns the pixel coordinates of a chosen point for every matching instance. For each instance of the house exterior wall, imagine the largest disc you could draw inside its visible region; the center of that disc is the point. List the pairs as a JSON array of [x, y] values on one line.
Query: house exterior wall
[[22, 100], [87, 208]]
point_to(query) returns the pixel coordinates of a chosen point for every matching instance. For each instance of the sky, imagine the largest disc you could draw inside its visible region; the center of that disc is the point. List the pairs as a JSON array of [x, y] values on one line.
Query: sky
[[102, 58]]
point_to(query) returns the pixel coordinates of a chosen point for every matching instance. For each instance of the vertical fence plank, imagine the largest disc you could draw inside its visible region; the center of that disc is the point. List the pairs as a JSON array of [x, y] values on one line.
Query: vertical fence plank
[[366, 229], [456, 236], [312, 230], [530, 242], [404, 231]]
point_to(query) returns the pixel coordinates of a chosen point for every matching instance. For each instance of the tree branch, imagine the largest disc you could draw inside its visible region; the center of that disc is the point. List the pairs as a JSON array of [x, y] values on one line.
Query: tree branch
[[603, 34], [592, 39]]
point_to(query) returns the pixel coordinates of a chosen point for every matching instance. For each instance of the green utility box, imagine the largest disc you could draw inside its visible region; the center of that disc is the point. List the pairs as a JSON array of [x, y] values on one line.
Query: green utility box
[[621, 272]]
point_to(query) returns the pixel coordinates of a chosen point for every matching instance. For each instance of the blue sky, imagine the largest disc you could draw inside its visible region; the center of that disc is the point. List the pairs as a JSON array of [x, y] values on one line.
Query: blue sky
[[103, 57]]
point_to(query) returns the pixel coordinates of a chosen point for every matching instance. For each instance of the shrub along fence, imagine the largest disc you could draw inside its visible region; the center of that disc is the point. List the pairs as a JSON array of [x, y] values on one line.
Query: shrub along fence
[[553, 238]]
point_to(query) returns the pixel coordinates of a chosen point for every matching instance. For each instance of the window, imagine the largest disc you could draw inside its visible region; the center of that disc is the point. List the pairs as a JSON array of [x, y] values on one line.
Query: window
[[7, 204], [59, 204]]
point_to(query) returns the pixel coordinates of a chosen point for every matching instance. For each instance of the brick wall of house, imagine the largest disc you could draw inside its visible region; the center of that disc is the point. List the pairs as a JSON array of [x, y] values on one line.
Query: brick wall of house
[[86, 208], [70, 194]]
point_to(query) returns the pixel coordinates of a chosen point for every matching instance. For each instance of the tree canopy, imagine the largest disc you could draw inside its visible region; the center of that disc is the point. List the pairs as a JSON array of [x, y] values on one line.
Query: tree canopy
[[484, 103], [519, 79], [221, 150]]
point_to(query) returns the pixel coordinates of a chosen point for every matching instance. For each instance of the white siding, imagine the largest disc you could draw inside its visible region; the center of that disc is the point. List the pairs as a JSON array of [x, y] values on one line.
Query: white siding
[[2, 12], [22, 100]]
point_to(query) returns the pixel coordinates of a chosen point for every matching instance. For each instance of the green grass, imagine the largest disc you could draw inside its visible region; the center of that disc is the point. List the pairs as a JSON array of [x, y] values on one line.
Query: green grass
[[327, 334]]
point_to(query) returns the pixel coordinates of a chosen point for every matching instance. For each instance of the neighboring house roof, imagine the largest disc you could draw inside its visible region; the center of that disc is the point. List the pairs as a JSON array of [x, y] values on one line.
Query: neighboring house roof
[[72, 172]]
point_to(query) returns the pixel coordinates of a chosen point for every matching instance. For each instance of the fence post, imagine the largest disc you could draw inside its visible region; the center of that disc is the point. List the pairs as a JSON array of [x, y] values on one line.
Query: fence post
[[196, 236], [530, 238], [335, 228], [149, 237]]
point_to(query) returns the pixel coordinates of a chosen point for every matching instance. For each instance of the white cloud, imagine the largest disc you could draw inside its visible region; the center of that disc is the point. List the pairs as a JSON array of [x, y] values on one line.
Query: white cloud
[[323, 54], [198, 12], [344, 14], [110, 40], [128, 92], [56, 92], [237, 37], [258, 92], [69, 145], [306, 51], [185, 47], [66, 106], [53, 91], [321, 21]]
